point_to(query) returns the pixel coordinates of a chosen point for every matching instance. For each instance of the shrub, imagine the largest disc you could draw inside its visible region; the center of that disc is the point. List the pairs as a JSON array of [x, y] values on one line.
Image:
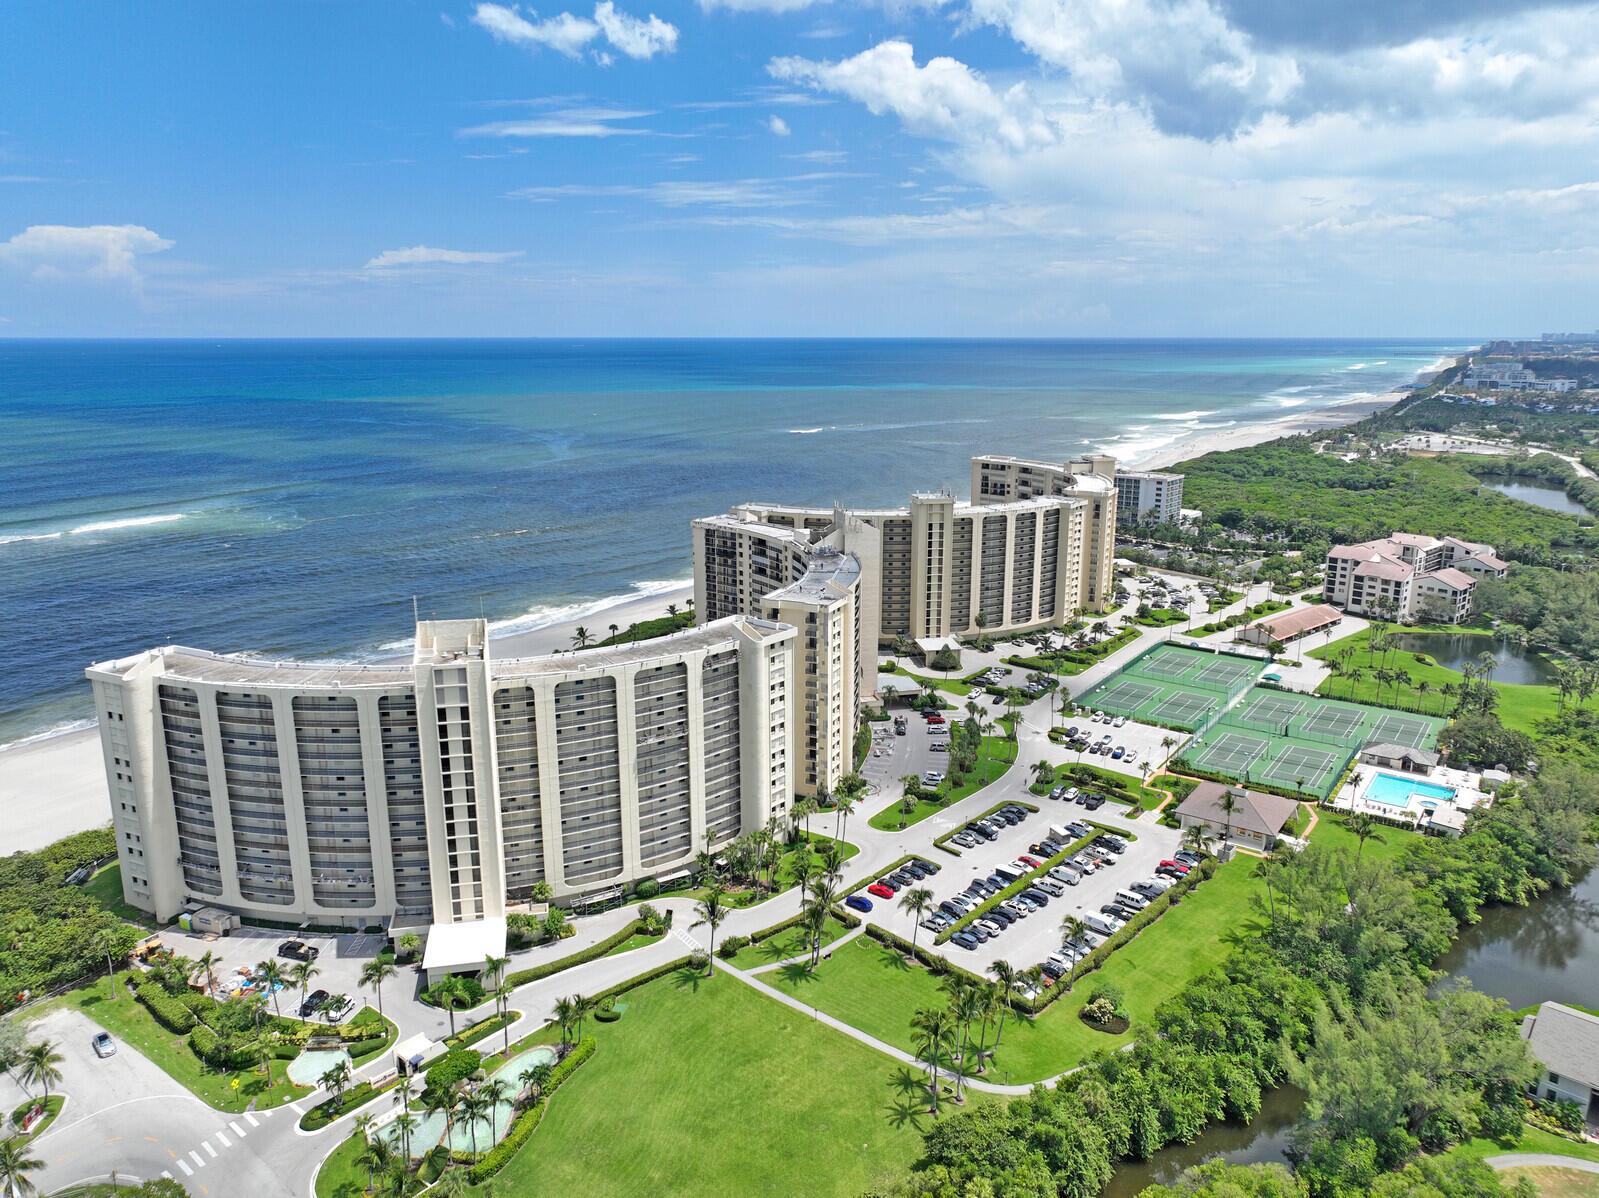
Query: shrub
[[480, 1029], [609, 1015], [647, 889], [452, 1068], [217, 1052], [168, 1011], [698, 961], [592, 953], [730, 947], [361, 1048]]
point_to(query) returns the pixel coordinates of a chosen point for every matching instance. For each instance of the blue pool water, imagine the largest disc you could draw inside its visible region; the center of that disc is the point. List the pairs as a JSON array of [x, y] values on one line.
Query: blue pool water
[[1394, 791]]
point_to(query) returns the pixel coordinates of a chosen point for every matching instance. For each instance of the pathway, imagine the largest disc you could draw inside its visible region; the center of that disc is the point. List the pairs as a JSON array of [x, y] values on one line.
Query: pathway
[[1536, 1160]]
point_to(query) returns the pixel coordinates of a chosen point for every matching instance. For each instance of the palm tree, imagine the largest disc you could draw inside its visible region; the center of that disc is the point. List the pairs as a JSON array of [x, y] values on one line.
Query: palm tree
[[206, 968], [816, 920], [1073, 928], [374, 973], [1043, 772], [270, 974], [503, 993], [495, 966], [582, 638], [39, 1063], [535, 1079], [335, 1079], [1005, 976], [671, 610], [918, 901], [495, 1092], [582, 1008], [449, 993], [614, 629], [932, 1027], [405, 1123], [15, 1166], [474, 1105], [1197, 839], [300, 975], [711, 912], [565, 1016], [1363, 826], [1228, 803], [376, 1157]]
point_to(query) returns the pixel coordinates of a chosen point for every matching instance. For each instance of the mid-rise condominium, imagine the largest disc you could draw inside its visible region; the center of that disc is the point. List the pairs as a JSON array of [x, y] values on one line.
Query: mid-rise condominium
[[1148, 497], [1408, 576]]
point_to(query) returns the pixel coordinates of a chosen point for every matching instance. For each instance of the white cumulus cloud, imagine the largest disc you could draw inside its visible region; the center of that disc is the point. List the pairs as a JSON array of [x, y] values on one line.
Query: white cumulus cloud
[[570, 35], [423, 255], [778, 126], [108, 252]]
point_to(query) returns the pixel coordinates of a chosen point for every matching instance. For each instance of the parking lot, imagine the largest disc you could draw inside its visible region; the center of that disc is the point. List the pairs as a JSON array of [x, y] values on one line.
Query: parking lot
[[1029, 940], [1142, 742], [908, 754]]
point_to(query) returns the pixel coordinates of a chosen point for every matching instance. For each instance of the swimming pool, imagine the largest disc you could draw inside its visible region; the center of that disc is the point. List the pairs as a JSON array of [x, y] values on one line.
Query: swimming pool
[[1393, 791]]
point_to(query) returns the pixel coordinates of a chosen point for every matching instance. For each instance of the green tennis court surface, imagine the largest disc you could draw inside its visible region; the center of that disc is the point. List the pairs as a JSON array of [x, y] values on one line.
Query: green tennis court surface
[[1174, 686]]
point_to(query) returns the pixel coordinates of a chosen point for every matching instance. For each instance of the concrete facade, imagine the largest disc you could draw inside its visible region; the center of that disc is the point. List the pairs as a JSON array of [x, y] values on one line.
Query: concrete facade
[[1409, 577], [1148, 497], [443, 790]]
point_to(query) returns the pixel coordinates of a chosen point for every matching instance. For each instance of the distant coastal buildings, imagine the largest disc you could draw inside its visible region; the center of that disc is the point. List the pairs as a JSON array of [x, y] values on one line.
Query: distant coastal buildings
[[439, 792], [1409, 577]]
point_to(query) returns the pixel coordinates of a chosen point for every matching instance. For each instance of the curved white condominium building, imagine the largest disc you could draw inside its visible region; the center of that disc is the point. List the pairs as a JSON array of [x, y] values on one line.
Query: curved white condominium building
[[436, 792]]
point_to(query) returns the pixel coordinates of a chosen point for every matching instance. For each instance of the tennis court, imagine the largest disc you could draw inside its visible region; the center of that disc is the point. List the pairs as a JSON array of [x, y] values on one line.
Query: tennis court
[[1300, 742], [1173, 685]]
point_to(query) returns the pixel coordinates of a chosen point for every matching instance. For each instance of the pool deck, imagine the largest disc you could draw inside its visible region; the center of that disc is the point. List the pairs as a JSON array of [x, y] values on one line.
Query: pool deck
[[1446, 815]]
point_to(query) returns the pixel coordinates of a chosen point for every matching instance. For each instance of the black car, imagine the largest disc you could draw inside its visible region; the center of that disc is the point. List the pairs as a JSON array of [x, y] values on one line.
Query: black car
[[1094, 802], [931, 867], [997, 882], [313, 1003], [1082, 798], [1053, 968], [297, 950], [1038, 896], [915, 870], [888, 883]]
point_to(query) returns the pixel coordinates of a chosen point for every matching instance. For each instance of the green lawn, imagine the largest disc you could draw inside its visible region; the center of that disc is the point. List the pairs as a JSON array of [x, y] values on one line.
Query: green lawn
[[636, 940], [950, 686], [870, 986], [342, 1170], [1120, 786], [995, 755], [114, 1009], [105, 888], [1521, 706], [1331, 830], [706, 1087], [788, 943], [785, 869], [1532, 1140]]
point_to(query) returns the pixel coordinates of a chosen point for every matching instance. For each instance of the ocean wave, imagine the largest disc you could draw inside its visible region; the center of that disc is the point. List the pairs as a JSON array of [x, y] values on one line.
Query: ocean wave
[[882, 428], [1194, 415], [95, 526], [65, 728], [561, 613], [805, 432], [42, 536]]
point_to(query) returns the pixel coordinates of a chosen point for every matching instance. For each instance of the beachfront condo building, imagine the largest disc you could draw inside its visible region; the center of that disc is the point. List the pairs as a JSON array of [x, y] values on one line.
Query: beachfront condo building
[[435, 793], [1409, 577], [998, 479], [1148, 497]]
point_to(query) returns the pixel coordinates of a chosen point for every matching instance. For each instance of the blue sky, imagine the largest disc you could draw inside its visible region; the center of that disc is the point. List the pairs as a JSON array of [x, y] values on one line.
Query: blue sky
[[799, 167]]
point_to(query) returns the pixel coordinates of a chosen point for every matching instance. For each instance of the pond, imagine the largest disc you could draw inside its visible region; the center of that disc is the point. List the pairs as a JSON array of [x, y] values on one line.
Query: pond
[[1546, 950], [1256, 1143], [1454, 649], [1544, 495]]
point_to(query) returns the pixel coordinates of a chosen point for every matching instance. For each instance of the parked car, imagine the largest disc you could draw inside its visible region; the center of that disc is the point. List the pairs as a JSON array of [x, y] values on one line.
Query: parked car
[[965, 940], [1118, 753], [1118, 721], [1170, 863], [1049, 886], [104, 1045], [1052, 969], [313, 1003], [1094, 803], [1036, 895], [881, 891], [1032, 862], [939, 746], [297, 950], [931, 867], [858, 902]]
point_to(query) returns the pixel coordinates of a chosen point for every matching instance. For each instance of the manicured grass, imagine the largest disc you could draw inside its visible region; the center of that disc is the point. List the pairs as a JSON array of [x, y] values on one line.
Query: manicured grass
[[1161, 617], [950, 686], [745, 1097], [869, 985], [52, 1108], [646, 630], [1331, 830], [114, 1009], [1555, 1183], [369, 1015], [790, 942], [995, 755], [1532, 1140], [342, 1172], [105, 888], [785, 869], [636, 940], [1521, 706], [1119, 786]]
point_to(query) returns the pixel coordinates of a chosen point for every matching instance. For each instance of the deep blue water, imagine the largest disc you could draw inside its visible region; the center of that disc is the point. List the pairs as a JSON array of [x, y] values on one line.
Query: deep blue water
[[291, 497]]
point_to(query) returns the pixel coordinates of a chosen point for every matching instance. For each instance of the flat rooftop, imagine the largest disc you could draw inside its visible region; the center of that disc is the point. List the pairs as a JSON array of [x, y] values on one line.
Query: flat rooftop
[[237, 669]]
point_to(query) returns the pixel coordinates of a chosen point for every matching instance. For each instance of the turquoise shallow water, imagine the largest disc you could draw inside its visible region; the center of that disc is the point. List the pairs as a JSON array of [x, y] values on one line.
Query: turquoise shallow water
[[1401, 792], [292, 497]]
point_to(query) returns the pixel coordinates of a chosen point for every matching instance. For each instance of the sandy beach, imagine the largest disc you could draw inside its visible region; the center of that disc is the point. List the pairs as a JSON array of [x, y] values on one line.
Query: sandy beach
[[56, 786], [53, 787]]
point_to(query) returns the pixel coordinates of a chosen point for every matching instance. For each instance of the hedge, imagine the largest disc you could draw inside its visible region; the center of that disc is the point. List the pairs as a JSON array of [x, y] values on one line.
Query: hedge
[[361, 1048], [209, 1047], [454, 1066], [329, 1110], [168, 1011], [592, 953], [527, 1123], [483, 1027]]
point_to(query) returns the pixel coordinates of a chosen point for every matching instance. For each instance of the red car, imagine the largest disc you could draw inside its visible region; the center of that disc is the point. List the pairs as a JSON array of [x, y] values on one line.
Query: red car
[[880, 890], [935, 719], [1033, 861], [1177, 865]]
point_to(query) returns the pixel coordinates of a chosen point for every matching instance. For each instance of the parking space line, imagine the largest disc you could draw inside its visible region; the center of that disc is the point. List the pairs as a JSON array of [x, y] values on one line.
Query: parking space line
[[237, 1130], [184, 1165], [198, 1160]]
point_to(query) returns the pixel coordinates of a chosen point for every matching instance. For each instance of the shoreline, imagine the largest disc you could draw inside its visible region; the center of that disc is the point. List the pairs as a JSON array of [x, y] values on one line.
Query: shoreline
[[1312, 420], [54, 785]]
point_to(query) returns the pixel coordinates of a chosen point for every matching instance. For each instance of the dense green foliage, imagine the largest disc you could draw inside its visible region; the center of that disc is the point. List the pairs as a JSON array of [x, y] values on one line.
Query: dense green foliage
[[451, 1069], [52, 934], [1287, 487], [1548, 607]]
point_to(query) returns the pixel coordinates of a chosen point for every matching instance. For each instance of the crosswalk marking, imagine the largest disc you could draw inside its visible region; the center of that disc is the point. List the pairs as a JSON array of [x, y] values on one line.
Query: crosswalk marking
[[223, 1136], [184, 1165], [237, 1130], [206, 1144], [167, 1174], [251, 1119], [198, 1159]]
